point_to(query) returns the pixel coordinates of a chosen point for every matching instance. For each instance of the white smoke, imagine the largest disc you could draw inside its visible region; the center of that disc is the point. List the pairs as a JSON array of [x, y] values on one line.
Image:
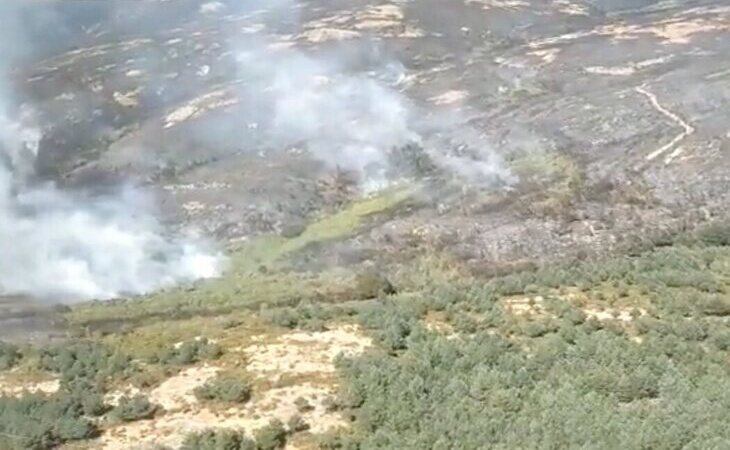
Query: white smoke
[[345, 120], [65, 246], [350, 119], [70, 246]]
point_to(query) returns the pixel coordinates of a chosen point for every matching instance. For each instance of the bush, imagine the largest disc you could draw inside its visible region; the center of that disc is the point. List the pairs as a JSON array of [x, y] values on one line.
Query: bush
[[134, 408], [218, 440], [271, 437], [722, 341], [714, 305], [9, 355], [189, 352], [296, 424], [89, 361], [224, 389], [715, 234], [282, 317], [369, 285], [41, 422]]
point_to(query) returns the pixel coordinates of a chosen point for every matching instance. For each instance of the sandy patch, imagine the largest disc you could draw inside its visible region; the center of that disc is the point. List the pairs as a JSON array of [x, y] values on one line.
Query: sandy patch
[[503, 4], [622, 314], [628, 69], [615, 71], [547, 56], [199, 106], [127, 99], [525, 306], [282, 403], [13, 385], [384, 20], [294, 353], [177, 392], [449, 98], [570, 8], [300, 353], [319, 35], [679, 30]]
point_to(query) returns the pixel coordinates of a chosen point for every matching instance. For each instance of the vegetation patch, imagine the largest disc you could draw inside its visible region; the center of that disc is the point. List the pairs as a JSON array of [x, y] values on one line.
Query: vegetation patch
[[129, 409], [224, 388], [9, 355], [189, 352], [218, 440], [620, 352], [36, 421], [256, 276]]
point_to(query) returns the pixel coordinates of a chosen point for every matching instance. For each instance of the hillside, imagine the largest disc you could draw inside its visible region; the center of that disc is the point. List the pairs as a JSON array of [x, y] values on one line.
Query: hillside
[[466, 224]]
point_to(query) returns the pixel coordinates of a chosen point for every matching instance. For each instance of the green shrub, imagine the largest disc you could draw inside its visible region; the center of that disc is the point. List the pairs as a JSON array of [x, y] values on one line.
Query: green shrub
[[296, 424], [41, 422], [130, 409], [271, 437], [218, 440], [722, 341], [224, 389], [539, 328], [283, 317], [9, 355], [641, 384], [189, 352], [715, 234], [85, 360], [306, 316], [714, 305], [689, 330], [372, 284]]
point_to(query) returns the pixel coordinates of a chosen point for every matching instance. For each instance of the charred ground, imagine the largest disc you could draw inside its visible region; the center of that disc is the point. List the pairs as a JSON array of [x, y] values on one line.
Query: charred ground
[[605, 248]]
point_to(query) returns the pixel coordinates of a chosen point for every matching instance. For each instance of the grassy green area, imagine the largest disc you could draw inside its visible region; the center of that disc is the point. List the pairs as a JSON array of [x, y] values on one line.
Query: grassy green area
[[269, 250], [551, 181], [254, 278]]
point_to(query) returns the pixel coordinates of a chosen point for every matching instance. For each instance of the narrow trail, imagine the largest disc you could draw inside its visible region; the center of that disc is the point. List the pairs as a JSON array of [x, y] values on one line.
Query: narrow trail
[[687, 128]]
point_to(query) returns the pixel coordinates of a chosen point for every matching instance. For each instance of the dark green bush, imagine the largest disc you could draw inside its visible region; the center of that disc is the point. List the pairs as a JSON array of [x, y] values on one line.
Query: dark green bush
[[722, 341], [129, 409], [296, 424], [218, 440], [713, 305], [224, 389], [41, 422], [283, 317], [372, 284], [306, 316], [271, 437], [85, 360], [9, 355], [715, 234]]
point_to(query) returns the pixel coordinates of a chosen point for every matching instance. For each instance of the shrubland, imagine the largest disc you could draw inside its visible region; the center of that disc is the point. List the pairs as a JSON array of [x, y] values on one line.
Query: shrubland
[[626, 350]]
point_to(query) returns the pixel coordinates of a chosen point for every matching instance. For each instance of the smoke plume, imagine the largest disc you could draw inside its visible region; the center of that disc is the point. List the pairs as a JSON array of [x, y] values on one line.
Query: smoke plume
[[352, 113], [62, 245]]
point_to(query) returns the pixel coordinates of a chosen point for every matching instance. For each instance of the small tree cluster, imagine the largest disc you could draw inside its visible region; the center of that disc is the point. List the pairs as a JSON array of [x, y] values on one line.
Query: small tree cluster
[[130, 409], [224, 389], [9, 355], [189, 352]]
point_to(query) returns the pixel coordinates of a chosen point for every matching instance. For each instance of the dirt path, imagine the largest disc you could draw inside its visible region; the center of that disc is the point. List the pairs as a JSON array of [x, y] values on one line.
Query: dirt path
[[687, 129]]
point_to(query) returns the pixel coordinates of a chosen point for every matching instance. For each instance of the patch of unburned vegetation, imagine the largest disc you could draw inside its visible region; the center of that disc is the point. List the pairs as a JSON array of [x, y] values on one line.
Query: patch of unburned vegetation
[[256, 276]]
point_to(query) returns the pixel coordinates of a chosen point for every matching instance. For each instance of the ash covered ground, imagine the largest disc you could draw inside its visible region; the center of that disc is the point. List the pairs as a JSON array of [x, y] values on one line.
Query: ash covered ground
[[528, 131]]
